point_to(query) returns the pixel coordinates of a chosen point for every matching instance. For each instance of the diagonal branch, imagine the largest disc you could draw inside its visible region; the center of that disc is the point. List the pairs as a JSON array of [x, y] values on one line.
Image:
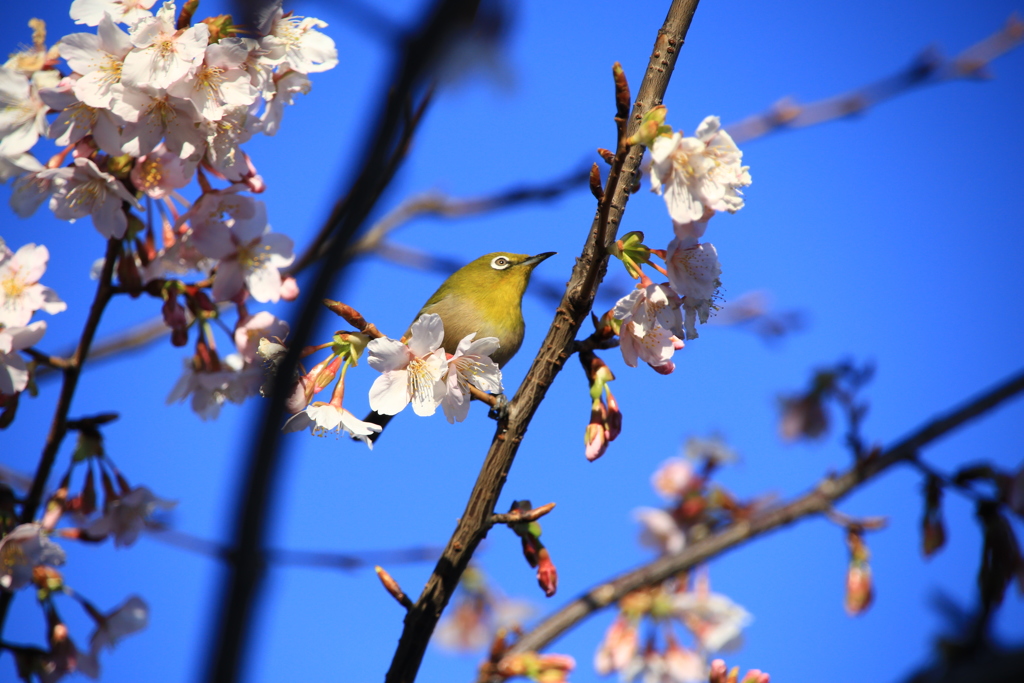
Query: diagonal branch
[[817, 501], [556, 348]]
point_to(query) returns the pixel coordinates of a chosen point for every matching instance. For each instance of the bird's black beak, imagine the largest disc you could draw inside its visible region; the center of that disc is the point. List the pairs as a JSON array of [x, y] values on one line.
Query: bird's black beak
[[534, 260]]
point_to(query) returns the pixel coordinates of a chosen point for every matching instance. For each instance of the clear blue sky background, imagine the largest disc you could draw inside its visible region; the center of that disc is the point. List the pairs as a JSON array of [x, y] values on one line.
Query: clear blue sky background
[[898, 234]]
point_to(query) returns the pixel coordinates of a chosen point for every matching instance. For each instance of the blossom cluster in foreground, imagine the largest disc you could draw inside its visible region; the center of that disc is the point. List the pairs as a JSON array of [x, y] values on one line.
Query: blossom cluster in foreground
[[147, 102], [697, 177], [417, 371]]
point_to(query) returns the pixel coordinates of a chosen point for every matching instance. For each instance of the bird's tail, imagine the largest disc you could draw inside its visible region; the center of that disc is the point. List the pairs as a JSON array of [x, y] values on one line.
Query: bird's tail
[[377, 419]]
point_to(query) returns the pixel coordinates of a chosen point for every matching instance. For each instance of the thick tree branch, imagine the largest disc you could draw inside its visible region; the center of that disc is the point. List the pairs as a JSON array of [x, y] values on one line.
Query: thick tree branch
[[817, 501], [576, 304]]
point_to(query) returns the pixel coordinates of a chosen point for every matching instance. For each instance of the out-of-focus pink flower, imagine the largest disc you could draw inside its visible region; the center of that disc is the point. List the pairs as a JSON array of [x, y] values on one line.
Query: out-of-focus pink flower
[[621, 643], [251, 329], [24, 548], [129, 618], [13, 369], [660, 531], [675, 478], [125, 517]]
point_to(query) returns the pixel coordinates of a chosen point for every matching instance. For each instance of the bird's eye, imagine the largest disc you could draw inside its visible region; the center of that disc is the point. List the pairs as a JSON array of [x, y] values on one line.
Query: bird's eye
[[500, 263]]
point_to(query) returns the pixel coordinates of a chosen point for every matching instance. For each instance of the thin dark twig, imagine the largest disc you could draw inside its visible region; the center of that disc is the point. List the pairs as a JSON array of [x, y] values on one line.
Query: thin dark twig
[[573, 310], [819, 500], [58, 427]]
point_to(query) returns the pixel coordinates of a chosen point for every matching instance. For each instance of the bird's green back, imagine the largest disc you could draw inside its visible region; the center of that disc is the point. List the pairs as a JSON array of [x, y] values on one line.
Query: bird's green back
[[485, 296]]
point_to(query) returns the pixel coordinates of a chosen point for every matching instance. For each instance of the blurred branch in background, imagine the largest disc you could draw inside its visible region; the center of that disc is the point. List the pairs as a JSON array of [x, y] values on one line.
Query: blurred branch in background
[[300, 558], [930, 68], [818, 501], [417, 62]]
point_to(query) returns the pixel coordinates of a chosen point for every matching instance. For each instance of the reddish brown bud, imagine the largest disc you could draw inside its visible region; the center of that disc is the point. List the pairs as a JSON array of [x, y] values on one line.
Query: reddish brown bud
[[547, 575], [595, 183]]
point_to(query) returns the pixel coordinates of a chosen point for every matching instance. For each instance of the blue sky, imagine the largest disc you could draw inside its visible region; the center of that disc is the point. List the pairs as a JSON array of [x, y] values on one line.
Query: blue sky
[[897, 233]]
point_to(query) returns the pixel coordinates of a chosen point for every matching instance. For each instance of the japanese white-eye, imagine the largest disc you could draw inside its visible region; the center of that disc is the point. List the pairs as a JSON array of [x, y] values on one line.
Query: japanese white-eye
[[485, 296]]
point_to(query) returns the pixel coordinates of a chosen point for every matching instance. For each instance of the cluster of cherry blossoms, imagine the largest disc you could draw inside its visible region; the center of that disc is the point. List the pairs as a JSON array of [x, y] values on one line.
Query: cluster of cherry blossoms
[[697, 177], [29, 557], [416, 371], [150, 102], [714, 622]]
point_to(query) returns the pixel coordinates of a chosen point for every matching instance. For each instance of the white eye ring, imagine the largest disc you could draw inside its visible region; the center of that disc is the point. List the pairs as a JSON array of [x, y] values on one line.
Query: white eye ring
[[500, 263]]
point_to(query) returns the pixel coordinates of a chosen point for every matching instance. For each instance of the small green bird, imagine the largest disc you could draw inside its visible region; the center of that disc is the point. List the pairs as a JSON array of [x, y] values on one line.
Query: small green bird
[[486, 297]]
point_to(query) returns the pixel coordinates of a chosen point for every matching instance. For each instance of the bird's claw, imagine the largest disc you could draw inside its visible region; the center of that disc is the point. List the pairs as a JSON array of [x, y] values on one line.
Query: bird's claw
[[499, 411]]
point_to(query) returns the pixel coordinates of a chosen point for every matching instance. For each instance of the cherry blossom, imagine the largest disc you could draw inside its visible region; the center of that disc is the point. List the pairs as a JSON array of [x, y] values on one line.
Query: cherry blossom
[[683, 665], [160, 172], [24, 548], [250, 255], [650, 326], [223, 143], [13, 369], [660, 531], [694, 270], [14, 165], [220, 81], [99, 59], [251, 331], [125, 517], [285, 86], [22, 112], [471, 364], [129, 618], [91, 12], [210, 389], [322, 418], [699, 172], [675, 478], [20, 292], [162, 54], [77, 119], [715, 620], [90, 191], [294, 42], [411, 372], [152, 115], [32, 189], [618, 648]]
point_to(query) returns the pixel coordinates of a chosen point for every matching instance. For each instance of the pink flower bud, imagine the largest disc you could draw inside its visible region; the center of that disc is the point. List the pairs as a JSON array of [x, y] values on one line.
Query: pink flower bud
[[547, 575], [289, 289], [666, 368], [859, 592]]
